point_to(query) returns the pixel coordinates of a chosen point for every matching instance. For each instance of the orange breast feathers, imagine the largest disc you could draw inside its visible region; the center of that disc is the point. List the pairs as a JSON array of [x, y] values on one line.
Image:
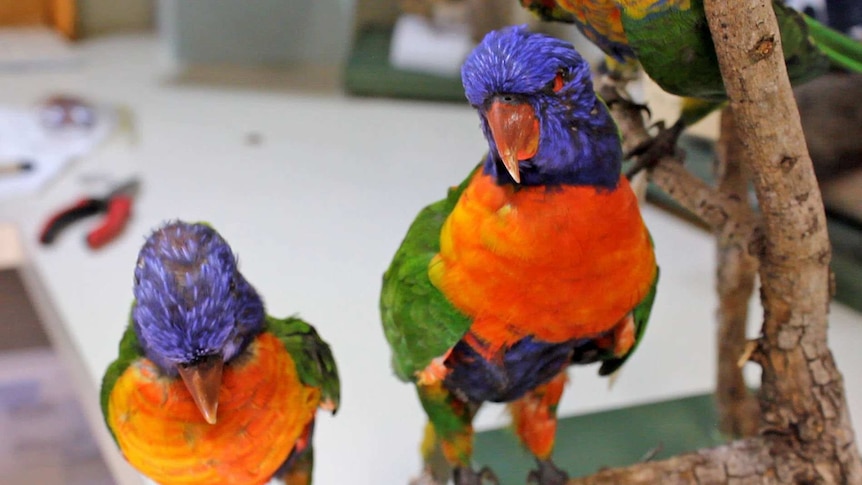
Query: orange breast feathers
[[555, 263], [263, 410]]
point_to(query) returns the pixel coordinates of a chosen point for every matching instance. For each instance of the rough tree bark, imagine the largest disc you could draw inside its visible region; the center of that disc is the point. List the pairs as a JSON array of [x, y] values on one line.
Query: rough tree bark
[[804, 410], [735, 274], [805, 432]]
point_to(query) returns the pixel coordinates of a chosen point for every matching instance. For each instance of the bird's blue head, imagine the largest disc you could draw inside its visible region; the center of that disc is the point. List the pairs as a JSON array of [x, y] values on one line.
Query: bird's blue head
[[191, 301], [193, 309], [542, 119]]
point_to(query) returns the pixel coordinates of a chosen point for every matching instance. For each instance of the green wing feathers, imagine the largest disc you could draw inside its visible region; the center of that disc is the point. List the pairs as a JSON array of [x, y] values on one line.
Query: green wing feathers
[[130, 350], [312, 356], [675, 48], [641, 315], [419, 322]]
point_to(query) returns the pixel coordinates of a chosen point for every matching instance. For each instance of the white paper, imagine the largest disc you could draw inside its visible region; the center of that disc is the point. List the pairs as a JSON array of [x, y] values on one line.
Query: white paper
[[418, 46], [23, 138]]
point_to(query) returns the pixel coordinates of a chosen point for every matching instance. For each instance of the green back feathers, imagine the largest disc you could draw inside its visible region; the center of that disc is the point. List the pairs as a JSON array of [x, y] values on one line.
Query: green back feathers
[[419, 322], [312, 356], [675, 48]]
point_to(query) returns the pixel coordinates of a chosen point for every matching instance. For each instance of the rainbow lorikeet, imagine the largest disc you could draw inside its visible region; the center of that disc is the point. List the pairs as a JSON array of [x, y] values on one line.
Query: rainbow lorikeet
[[672, 42], [538, 260], [207, 387]]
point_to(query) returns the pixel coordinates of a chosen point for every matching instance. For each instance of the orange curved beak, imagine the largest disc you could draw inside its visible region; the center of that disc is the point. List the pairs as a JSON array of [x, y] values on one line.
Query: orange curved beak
[[515, 129], [203, 380]]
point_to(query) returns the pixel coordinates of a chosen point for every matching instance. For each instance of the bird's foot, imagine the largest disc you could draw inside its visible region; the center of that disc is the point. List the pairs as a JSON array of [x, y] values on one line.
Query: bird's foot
[[619, 72], [649, 152], [613, 96], [547, 474], [466, 476], [427, 478]]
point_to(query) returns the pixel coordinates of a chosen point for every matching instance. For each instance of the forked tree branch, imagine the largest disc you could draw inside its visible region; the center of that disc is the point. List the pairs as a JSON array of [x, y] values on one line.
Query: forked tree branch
[[695, 195]]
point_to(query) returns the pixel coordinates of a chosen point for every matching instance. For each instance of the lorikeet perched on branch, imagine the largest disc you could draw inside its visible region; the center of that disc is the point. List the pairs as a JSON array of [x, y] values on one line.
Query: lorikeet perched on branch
[[207, 387], [672, 42], [538, 260]]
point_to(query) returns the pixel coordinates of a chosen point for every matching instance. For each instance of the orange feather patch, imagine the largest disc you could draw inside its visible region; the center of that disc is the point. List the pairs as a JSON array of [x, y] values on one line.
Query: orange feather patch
[[603, 16], [555, 263], [263, 410]]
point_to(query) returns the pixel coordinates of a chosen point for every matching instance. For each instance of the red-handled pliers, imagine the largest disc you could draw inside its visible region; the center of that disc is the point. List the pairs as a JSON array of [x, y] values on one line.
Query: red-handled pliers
[[117, 206]]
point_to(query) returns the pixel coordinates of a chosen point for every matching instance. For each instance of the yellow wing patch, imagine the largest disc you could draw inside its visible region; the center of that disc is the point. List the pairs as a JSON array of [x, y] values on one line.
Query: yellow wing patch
[[638, 9]]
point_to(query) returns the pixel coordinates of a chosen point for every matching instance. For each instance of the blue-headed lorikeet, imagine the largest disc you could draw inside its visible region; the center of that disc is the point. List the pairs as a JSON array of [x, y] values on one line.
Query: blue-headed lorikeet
[[672, 42], [538, 260], [207, 387]]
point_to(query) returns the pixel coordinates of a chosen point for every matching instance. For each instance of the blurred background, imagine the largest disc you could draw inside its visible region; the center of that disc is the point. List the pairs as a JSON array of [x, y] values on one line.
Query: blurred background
[[313, 117]]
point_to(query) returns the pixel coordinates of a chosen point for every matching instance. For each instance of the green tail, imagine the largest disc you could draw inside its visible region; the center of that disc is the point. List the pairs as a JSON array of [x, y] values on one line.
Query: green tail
[[842, 50]]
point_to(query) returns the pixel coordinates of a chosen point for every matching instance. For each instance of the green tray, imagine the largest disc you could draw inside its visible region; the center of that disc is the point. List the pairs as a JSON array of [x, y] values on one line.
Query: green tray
[[368, 72], [620, 437]]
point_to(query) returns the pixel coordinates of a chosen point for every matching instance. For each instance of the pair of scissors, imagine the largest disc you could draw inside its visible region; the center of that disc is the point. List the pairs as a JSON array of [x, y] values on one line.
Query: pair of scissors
[[116, 205]]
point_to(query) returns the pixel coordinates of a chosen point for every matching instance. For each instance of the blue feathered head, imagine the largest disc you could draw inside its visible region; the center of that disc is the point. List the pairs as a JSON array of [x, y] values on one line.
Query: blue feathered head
[[542, 119], [191, 301]]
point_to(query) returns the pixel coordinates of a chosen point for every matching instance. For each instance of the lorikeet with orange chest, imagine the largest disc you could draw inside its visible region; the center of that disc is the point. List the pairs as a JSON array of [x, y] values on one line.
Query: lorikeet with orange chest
[[538, 260], [207, 388]]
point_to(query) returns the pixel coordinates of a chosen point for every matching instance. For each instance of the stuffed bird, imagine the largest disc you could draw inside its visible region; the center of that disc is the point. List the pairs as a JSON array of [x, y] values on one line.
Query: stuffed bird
[[207, 388], [538, 260], [672, 42]]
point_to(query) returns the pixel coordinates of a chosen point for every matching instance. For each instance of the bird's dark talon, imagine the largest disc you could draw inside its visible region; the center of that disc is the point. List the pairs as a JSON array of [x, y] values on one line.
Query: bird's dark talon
[[616, 98], [658, 125], [487, 474], [466, 476], [611, 96], [649, 152], [547, 474]]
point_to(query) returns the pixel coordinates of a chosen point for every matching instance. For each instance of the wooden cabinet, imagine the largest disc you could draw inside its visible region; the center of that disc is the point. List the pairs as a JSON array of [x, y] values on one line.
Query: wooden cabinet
[[58, 14]]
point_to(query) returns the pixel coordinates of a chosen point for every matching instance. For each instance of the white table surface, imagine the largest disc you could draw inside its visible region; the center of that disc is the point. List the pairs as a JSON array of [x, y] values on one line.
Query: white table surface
[[315, 213]]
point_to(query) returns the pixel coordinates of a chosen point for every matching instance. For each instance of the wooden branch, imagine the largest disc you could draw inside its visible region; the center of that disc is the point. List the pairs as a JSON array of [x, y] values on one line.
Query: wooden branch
[[738, 409], [802, 394], [698, 197], [739, 462]]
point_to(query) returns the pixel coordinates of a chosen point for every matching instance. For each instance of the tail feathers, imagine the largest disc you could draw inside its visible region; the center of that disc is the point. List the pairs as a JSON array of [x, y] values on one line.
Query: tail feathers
[[436, 468], [842, 50]]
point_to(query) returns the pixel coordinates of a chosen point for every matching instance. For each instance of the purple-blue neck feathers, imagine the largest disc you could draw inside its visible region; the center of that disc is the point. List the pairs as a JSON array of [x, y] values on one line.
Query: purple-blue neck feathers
[[579, 142], [190, 299]]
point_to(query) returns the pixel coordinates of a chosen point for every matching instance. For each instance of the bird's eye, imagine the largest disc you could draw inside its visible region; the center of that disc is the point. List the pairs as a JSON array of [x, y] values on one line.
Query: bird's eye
[[232, 286], [559, 81]]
